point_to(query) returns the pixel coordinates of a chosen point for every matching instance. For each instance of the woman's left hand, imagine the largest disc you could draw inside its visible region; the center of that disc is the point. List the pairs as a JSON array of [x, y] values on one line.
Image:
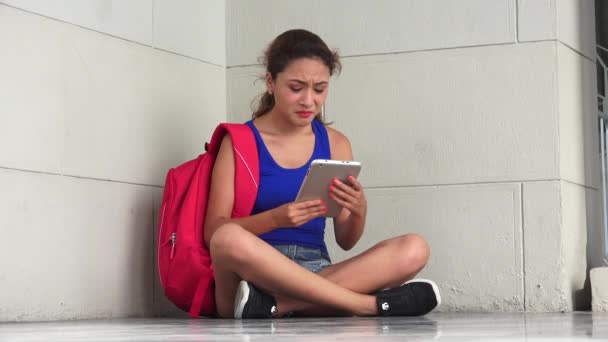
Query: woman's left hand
[[350, 197]]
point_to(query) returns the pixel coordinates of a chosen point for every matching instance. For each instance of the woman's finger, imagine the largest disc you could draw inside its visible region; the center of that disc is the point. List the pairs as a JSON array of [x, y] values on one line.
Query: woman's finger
[[355, 183], [308, 204], [313, 214], [344, 187], [342, 202], [342, 194]]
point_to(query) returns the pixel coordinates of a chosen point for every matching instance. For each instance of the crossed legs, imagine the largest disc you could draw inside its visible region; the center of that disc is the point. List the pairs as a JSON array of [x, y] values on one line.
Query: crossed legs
[[340, 289]]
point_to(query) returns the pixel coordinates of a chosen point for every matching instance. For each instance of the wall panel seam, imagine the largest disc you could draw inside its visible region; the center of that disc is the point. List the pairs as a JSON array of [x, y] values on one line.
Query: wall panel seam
[[555, 106], [576, 51], [516, 20], [460, 184], [523, 246], [113, 36], [81, 177], [578, 184], [404, 52]]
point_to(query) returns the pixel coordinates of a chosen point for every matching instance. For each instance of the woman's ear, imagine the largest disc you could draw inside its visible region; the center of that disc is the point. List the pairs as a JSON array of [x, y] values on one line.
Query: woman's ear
[[269, 83]]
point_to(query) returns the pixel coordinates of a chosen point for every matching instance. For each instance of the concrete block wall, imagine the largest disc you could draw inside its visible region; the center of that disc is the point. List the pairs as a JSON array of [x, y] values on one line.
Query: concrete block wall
[[97, 100], [479, 120], [476, 125]]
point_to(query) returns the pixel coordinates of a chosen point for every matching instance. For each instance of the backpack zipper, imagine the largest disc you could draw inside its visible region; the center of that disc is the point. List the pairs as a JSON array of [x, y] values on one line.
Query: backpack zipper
[[172, 240], [172, 246]]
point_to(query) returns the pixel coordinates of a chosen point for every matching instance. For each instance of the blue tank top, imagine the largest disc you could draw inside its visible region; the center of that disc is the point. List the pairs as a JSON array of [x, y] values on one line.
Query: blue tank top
[[279, 186]]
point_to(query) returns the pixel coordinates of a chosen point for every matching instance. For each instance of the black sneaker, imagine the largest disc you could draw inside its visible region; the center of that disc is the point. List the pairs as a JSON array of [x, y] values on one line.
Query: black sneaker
[[250, 302], [416, 297]]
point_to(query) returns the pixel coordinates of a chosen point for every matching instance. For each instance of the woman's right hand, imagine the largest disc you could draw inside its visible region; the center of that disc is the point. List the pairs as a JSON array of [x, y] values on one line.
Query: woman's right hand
[[296, 214]]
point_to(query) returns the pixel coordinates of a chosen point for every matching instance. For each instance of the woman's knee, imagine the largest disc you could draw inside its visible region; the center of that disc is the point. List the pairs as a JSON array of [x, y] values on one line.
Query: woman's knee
[[230, 241], [413, 250]]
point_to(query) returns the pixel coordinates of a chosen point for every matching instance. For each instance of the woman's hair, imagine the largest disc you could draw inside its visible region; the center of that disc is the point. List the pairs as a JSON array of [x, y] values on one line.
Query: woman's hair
[[287, 47]]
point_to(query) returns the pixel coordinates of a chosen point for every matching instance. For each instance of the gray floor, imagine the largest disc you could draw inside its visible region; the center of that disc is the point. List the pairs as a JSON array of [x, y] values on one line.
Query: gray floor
[[579, 326]]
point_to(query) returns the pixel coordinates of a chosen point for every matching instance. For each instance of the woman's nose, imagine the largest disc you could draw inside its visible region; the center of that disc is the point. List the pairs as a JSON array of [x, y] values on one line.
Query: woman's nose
[[307, 98]]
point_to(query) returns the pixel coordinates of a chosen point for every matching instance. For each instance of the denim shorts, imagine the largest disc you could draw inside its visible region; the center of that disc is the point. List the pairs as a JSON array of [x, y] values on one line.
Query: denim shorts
[[312, 259]]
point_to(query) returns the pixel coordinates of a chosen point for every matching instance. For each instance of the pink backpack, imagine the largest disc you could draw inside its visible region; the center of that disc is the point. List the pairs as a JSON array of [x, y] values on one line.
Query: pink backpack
[[184, 262]]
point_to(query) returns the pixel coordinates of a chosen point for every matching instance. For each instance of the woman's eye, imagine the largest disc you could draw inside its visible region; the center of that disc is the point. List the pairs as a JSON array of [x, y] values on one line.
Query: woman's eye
[[319, 90], [295, 90]]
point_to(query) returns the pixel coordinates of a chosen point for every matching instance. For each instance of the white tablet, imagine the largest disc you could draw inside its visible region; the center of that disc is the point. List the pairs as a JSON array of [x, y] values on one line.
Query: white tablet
[[320, 176]]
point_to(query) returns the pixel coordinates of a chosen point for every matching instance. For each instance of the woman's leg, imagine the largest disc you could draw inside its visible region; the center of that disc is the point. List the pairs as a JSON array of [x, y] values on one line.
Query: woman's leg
[[388, 264], [237, 254]]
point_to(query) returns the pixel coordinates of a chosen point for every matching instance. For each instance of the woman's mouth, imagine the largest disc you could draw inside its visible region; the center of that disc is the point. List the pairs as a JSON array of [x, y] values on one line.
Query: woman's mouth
[[304, 114]]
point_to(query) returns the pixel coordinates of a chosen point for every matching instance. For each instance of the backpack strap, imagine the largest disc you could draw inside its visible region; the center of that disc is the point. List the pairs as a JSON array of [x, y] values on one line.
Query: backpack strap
[[246, 149], [246, 180], [203, 287], [246, 164]]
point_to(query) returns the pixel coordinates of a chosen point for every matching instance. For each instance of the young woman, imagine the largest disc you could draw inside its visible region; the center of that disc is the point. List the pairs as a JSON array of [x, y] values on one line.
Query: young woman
[[274, 262]]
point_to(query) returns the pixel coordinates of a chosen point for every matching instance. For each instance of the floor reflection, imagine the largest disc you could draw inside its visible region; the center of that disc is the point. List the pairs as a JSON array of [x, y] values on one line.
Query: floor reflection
[[581, 326]]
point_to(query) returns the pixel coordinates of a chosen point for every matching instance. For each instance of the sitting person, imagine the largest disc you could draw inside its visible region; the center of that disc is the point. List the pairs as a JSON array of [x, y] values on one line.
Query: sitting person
[[275, 262]]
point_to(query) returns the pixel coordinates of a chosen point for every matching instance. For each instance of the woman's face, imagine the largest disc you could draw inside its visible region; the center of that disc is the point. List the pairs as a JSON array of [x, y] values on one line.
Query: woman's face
[[300, 90]]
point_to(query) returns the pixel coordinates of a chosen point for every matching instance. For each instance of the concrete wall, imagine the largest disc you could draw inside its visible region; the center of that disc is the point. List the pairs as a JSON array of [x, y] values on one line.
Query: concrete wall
[[97, 100], [480, 133]]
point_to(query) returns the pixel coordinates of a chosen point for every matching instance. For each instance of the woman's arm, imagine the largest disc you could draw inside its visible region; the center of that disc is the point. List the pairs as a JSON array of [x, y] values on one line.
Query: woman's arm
[[221, 197], [350, 223], [221, 201]]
